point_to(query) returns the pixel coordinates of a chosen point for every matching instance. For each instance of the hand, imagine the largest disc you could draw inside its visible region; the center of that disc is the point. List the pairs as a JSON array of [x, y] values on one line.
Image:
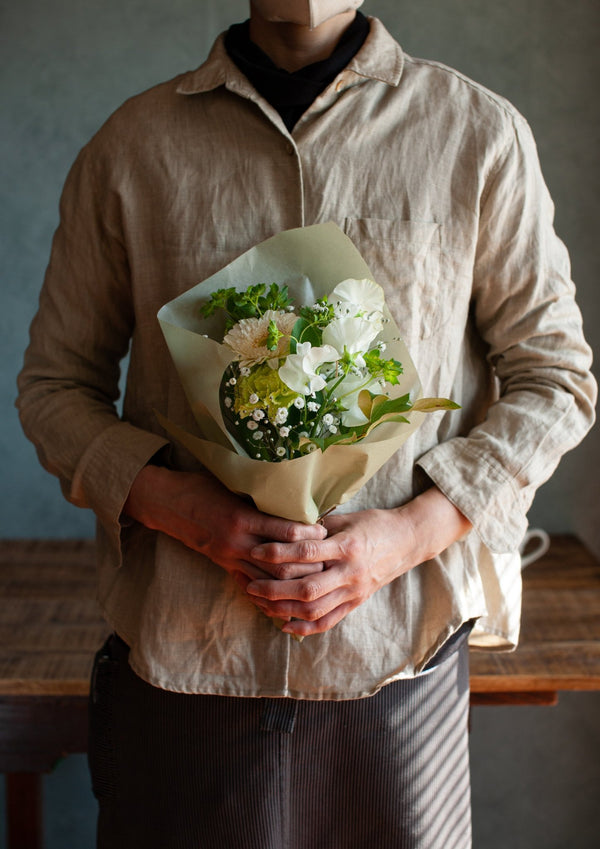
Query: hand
[[203, 514], [363, 552]]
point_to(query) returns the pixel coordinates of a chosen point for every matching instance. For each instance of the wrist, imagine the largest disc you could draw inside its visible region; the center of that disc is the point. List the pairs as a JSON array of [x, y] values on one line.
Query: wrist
[[435, 522], [147, 484]]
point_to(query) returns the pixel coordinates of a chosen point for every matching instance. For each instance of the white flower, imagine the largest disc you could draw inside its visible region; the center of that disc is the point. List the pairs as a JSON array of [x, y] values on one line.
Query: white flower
[[251, 425], [280, 451], [228, 402], [281, 415], [248, 338], [253, 399], [313, 407], [284, 431], [352, 332], [258, 435], [299, 402], [358, 297], [327, 419], [299, 371], [258, 415], [245, 371]]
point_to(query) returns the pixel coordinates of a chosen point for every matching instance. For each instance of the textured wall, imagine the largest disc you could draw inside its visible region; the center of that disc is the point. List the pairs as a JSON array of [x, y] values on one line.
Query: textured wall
[[68, 63]]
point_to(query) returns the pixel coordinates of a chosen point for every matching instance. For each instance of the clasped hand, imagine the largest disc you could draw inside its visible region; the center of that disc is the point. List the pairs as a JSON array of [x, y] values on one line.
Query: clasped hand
[[362, 552], [310, 576]]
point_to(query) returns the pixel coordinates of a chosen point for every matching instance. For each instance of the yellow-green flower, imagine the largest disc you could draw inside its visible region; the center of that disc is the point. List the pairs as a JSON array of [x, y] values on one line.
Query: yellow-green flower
[[262, 389]]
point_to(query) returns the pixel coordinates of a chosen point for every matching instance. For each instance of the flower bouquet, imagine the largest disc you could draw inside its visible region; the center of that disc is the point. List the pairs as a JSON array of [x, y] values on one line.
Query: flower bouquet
[[301, 386]]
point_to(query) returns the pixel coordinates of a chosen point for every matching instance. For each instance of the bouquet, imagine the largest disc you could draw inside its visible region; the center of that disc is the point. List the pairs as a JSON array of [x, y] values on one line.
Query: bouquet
[[302, 387], [306, 380]]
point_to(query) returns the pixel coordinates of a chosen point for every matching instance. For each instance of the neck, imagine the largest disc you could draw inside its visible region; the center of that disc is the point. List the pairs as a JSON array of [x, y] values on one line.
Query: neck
[[293, 46]]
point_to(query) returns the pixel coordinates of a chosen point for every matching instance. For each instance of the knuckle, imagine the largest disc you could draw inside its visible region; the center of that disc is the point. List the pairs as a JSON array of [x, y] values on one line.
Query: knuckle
[[309, 551], [351, 547], [293, 532], [311, 591], [271, 552]]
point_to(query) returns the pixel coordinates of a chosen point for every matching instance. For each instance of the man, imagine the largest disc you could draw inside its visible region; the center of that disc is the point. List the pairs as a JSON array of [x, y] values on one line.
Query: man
[[209, 726]]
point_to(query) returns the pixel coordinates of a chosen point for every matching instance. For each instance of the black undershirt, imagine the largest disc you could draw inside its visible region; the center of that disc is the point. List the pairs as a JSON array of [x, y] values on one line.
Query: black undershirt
[[291, 93]]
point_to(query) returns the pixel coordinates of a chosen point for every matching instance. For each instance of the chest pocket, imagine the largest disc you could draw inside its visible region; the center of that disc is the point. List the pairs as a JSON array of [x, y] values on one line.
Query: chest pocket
[[404, 257]]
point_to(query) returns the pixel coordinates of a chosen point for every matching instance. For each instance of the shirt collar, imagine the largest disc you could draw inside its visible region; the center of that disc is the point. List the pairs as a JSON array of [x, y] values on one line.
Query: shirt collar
[[380, 58]]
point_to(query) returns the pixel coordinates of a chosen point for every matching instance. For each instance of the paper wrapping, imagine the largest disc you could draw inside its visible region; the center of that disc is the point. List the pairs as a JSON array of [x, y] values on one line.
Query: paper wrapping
[[311, 261]]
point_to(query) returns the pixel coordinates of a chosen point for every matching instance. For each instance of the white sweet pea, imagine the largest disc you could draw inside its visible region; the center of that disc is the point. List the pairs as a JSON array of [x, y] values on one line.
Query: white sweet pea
[[353, 333], [359, 297], [299, 371], [348, 392]]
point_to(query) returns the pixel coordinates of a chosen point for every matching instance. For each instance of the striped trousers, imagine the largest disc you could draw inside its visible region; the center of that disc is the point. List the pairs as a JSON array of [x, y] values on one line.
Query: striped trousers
[[176, 771]]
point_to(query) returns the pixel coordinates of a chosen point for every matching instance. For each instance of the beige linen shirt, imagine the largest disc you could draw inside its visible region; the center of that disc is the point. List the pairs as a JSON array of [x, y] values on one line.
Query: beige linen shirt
[[437, 182]]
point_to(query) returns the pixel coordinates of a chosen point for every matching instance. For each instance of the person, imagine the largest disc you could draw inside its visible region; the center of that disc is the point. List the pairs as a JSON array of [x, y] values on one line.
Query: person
[[209, 726]]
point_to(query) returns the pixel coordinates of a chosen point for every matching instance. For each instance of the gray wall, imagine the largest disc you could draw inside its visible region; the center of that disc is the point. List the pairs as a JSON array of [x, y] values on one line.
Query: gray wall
[[68, 63]]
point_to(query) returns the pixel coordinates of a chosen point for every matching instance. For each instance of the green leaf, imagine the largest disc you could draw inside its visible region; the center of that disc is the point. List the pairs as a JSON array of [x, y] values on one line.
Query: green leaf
[[388, 369], [304, 331], [277, 298], [430, 405], [217, 301], [365, 403], [391, 417], [341, 438], [384, 406]]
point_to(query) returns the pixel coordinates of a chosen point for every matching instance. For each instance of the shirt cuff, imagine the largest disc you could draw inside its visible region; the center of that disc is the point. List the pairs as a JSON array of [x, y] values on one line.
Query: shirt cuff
[[106, 473], [482, 491]]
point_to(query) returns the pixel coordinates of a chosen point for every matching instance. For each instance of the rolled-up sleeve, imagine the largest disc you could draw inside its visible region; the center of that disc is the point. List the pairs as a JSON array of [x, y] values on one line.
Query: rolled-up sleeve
[[69, 383], [524, 310]]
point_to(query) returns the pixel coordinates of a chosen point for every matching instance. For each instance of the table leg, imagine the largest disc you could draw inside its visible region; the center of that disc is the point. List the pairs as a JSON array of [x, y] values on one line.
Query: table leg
[[24, 810]]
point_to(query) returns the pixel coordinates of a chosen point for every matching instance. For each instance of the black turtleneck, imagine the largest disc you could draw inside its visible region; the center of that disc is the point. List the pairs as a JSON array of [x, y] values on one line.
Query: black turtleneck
[[291, 93]]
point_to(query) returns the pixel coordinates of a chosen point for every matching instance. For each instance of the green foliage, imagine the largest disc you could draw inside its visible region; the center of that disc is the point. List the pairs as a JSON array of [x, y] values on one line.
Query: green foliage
[[253, 302], [390, 370]]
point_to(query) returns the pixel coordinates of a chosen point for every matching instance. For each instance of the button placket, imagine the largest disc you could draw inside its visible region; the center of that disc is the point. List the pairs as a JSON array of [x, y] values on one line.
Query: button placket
[[292, 150]]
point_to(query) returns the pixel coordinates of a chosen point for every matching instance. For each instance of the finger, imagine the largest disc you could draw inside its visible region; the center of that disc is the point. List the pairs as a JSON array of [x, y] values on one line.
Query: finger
[[305, 551], [311, 611], [284, 530], [307, 589], [289, 571], [246, 572], [304, 628], [335, 522]]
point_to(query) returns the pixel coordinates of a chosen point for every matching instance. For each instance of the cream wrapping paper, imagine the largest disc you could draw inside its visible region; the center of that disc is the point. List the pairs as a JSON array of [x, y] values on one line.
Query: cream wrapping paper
[[311, 261]]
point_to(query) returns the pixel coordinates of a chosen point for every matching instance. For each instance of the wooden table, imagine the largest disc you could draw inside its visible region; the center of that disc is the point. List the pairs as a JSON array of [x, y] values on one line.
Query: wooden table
[[50, 628], [559, 648]]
